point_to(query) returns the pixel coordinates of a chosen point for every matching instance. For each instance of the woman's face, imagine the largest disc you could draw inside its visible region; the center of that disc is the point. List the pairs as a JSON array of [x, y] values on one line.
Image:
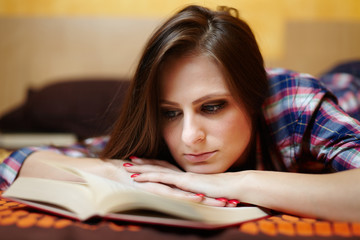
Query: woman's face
[[203, 126]]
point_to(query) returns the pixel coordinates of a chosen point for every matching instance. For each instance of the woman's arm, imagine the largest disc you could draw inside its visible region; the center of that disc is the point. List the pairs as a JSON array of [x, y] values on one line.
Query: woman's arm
[[333, 196], [36, 165]]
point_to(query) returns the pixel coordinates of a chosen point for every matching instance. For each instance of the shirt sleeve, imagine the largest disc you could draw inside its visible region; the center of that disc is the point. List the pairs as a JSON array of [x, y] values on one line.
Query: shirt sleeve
[[335, 137], [4, 154], [292, 100], [11, 165]]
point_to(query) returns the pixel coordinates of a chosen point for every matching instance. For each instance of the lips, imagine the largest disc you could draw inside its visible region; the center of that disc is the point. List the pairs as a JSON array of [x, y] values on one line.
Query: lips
[[198, 158]]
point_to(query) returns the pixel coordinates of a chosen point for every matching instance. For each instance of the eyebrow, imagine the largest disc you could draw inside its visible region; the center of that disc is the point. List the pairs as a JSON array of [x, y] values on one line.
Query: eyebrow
[[202, 99]]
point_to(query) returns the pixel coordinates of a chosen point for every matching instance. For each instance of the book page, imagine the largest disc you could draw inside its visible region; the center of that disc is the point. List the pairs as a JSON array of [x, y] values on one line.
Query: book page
[[104, 197], [182, 209], [117, 197], [112, 196], [72, 196]]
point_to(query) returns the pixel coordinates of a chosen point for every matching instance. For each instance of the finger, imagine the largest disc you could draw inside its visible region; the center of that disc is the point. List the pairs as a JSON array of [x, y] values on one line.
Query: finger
[[143, 161], [185, 181], [164, 190], [213, 202], [163, 163], [232, 203], [146, 168], [180, 180]]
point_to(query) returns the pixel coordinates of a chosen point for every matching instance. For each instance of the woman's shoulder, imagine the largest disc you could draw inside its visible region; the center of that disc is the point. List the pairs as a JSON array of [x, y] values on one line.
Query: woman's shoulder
[[291, 95], [281, 80]]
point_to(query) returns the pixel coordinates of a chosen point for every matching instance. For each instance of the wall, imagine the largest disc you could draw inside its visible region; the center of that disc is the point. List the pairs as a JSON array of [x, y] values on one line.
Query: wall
[[85, 37], [268, 18]]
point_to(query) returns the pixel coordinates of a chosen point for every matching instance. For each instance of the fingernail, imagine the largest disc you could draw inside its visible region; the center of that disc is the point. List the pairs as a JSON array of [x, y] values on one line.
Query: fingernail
[[222, 200], [234, 201], [133, 157], [128, 164], [135, 175], [200, 195]]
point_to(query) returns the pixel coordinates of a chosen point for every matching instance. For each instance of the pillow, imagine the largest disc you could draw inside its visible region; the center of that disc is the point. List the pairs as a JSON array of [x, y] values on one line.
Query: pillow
[[86, 108], [350, 67]]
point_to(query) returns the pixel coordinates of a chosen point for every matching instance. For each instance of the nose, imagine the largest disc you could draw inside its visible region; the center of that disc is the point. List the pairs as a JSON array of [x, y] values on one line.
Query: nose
[[193, 130]]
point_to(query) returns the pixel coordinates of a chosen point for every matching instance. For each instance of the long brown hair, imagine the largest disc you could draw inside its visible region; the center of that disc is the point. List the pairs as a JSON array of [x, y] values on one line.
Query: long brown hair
[[218, 34]]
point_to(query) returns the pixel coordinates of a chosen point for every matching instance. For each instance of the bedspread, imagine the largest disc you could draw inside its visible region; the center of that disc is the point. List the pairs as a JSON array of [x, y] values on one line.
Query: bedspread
[[18, 221]]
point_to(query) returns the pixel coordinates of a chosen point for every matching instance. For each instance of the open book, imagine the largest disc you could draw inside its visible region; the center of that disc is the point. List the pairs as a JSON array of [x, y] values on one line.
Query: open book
[[101, 197]]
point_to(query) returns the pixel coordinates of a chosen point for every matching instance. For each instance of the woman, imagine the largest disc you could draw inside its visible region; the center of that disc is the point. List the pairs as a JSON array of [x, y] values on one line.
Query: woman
[[202, 100]]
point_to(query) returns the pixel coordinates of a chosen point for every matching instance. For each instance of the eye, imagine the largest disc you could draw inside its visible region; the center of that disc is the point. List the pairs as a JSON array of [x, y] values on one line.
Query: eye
[[213, 108], [170, 114]]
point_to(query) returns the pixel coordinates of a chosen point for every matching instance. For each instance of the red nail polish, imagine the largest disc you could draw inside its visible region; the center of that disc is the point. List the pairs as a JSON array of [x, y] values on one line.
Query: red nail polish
[[128, 164], [200, 195], [133, 157], [135, 175], [234, 201], [222, 199]]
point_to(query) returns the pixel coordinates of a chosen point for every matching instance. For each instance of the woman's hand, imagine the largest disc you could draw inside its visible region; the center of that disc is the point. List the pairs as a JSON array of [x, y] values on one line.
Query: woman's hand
[[170, 180], [310, 195], [36, 166], [113, 169]]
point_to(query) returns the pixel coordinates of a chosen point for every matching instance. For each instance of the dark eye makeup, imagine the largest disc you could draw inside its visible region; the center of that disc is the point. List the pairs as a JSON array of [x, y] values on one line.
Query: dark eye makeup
[[170, 114], [206, 108], [212, 108]]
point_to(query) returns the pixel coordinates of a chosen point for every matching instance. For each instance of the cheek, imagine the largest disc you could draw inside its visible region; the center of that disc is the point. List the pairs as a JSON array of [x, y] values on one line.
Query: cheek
[[170, 136], [235, 129]]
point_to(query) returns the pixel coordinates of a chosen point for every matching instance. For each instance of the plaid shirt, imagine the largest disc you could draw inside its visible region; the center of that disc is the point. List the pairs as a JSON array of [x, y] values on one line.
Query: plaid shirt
[[293, 101], [334, 140]]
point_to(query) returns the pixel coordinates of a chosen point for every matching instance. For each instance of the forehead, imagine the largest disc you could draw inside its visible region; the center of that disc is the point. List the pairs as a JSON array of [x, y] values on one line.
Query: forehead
[[191, 75]]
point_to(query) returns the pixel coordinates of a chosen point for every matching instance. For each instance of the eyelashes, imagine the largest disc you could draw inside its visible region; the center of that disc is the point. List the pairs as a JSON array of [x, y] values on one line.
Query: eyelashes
[[207, 109], [170, 114], [213, 108]]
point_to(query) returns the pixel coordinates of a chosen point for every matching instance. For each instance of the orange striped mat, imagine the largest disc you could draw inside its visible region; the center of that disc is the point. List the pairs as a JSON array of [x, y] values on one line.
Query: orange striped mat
[[15, 214]]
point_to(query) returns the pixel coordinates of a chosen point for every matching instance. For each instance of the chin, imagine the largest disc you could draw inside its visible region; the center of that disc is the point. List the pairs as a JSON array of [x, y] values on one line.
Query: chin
[[202, 169]]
